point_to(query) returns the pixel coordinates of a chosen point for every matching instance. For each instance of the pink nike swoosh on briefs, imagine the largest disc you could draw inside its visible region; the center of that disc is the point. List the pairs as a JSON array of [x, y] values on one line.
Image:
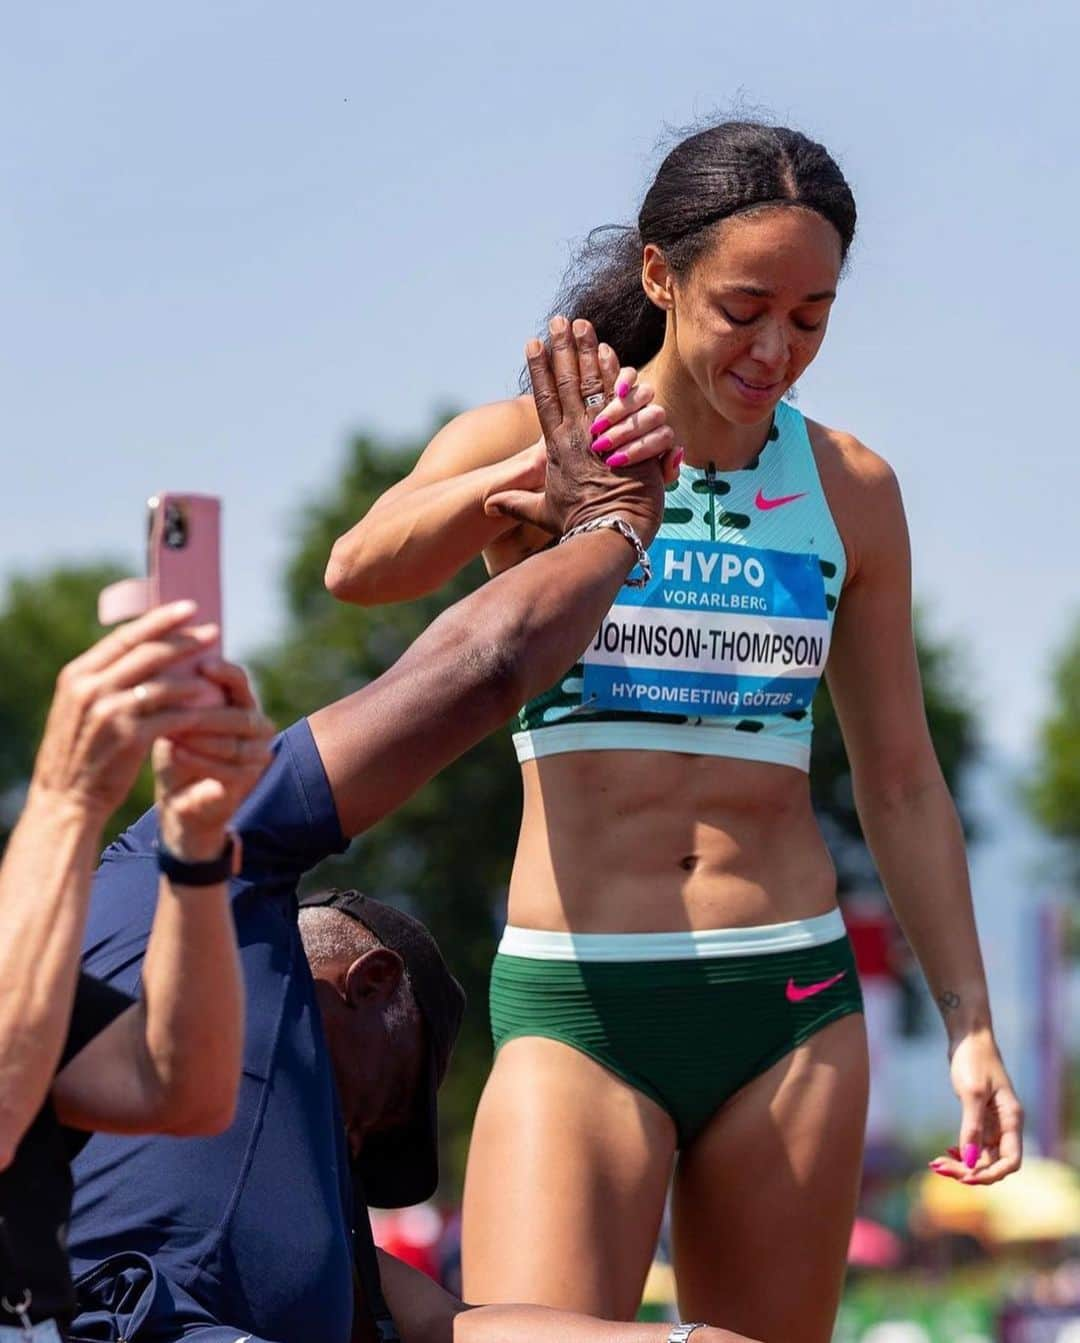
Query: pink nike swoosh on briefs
[[765, 504], [796, 994]]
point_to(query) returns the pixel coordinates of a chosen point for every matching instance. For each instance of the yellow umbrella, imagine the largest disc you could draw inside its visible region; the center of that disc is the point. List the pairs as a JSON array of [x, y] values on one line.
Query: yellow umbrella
[[939, 1205], [1040, 1202]]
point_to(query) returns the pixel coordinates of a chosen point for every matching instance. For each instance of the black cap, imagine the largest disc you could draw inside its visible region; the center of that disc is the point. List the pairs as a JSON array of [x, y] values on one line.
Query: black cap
[[401, 1167]]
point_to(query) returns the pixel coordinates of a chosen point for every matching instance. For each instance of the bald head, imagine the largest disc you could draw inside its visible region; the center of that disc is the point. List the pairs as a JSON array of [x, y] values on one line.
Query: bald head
[[331, 938]]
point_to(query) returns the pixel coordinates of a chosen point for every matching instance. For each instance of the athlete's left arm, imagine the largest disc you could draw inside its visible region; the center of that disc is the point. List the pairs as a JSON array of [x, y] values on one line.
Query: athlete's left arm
[[904, 805]]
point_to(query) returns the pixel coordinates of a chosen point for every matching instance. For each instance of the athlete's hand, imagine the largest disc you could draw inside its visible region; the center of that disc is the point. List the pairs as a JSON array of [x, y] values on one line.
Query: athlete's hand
[[992, 1123], [525, 470], [578, 486], [631, 427], [203, 775]]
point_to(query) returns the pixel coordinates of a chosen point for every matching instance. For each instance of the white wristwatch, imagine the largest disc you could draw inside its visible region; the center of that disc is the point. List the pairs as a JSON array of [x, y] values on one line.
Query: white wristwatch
[[682, 1332]]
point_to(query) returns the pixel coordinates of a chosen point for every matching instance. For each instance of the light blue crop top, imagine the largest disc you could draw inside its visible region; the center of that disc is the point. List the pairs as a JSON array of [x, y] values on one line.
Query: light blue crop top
[[721, 653]]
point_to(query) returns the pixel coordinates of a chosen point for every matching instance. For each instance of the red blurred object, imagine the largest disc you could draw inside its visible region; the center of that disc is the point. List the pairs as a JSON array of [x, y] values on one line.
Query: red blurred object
[[873, 932], [874, 1246], [411, 1235]]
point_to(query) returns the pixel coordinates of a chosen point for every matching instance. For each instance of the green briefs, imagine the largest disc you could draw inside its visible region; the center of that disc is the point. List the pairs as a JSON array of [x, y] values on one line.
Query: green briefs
[[707, 1014]]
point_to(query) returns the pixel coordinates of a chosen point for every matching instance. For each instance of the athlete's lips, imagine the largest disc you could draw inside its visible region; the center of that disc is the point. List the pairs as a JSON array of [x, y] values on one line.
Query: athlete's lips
[[756, 392]]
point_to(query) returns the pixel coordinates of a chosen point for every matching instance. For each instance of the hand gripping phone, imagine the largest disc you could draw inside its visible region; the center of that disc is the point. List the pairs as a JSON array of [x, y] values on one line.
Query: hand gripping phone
[[183, 560]]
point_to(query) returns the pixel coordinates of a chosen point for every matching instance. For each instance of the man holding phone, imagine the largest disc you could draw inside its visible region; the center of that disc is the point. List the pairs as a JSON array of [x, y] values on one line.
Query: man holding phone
[[248, 1235]]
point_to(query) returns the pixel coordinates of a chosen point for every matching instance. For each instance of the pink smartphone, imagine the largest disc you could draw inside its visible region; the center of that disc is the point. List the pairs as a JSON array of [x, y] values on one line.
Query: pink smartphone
[[184, 554], [183, 560]]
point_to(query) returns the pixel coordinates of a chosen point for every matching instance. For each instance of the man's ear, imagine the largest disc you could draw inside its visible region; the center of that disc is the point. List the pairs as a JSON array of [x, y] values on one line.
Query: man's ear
[[376, 973], [656, 277]]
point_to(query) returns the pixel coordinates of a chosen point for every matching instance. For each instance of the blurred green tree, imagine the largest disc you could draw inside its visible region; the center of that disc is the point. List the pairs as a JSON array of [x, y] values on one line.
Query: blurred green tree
[[447, 854], [1055, 788], [45, 621]]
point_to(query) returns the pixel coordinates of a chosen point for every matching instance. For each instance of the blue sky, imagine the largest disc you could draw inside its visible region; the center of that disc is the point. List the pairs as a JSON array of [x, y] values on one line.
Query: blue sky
[[231, 233]]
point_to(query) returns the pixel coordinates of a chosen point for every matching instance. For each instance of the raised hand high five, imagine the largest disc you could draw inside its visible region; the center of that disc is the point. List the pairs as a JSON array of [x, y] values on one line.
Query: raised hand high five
[[578, 485]]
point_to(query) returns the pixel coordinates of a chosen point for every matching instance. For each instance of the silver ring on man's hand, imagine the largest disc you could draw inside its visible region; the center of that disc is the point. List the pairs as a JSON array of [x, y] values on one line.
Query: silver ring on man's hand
[[595, 400], [140, 694]]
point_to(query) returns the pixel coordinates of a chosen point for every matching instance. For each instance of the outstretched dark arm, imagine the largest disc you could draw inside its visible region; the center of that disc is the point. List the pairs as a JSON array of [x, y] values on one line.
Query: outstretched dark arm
[[468, 672], [466, 675]]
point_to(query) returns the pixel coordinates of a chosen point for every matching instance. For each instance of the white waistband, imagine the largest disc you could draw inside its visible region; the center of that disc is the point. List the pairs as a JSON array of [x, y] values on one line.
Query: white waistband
[[717, 738], [538, 945]]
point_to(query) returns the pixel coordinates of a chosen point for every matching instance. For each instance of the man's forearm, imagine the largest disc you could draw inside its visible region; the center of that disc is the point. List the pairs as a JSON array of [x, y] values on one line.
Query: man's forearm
[[466, 674], [44, 889]]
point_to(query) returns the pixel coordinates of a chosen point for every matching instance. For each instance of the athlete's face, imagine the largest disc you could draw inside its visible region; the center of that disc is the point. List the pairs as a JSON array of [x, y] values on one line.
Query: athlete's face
[[750, 314]]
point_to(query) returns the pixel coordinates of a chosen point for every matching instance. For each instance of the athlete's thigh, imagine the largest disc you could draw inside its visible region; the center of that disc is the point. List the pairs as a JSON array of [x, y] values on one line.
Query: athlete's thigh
[[567, 1175], [765, 1197]]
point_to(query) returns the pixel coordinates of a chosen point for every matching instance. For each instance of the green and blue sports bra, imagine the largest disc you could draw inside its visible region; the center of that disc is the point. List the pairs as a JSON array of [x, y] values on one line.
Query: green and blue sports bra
[[721, 652]]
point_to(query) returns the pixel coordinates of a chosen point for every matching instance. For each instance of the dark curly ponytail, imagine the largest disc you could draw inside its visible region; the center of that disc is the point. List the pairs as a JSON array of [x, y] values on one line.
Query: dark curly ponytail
[[724, 170]]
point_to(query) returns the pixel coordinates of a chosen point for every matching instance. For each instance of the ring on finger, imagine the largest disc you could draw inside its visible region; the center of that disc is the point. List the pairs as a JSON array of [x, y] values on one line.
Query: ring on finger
[[140, 694], [595, 400]]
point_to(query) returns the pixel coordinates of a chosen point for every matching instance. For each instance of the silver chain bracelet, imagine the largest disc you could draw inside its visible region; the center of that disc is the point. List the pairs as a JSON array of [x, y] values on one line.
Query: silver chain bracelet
[[612, 522]]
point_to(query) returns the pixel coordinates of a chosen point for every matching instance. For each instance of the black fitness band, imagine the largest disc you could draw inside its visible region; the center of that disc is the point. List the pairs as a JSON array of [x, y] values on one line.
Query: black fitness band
[[210, 873]]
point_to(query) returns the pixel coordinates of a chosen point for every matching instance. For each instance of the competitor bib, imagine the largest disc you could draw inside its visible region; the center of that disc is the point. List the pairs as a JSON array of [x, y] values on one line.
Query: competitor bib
[[721, 629]]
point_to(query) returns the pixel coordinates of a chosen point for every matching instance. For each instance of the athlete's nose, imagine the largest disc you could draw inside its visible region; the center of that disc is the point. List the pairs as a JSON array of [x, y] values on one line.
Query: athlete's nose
[[770, 346]]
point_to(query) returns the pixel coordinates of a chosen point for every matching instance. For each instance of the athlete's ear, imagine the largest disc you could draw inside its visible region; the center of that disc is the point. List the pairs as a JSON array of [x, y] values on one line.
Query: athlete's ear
[[376, 973], [657, 278]]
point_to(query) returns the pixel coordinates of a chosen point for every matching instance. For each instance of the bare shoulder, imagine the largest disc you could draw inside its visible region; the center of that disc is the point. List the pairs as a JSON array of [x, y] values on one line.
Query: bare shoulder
[[862, 492], [480, 437], [846, 463]]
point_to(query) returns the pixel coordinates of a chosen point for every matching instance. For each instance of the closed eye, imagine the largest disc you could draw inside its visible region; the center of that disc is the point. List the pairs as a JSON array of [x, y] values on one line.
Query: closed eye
[[737, 321]]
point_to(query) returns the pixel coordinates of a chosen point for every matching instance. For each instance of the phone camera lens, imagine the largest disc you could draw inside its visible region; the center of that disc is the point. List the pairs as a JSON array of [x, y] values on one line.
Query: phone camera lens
[[175, 532]]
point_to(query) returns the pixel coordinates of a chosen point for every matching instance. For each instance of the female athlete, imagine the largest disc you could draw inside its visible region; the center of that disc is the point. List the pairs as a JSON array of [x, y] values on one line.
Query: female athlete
[[675, 989]]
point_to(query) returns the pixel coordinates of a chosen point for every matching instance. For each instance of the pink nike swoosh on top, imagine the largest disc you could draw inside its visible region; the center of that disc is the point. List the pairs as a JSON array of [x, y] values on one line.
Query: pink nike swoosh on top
[[764, 504], [796, 994]]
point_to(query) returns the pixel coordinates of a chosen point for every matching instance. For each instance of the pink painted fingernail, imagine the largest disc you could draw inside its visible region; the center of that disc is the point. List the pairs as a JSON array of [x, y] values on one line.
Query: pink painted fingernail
[[680, 457], [971, 1155], [601, 444], [599, 425], [622, 389], [618, 459]]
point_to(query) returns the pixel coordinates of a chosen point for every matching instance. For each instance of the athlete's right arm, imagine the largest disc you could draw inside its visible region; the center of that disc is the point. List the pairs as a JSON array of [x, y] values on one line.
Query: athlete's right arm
[[431, 524]]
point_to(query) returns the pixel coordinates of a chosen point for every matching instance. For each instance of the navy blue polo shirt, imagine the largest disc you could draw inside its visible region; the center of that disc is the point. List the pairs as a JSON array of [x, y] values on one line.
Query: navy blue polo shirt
[[253, 1224]]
